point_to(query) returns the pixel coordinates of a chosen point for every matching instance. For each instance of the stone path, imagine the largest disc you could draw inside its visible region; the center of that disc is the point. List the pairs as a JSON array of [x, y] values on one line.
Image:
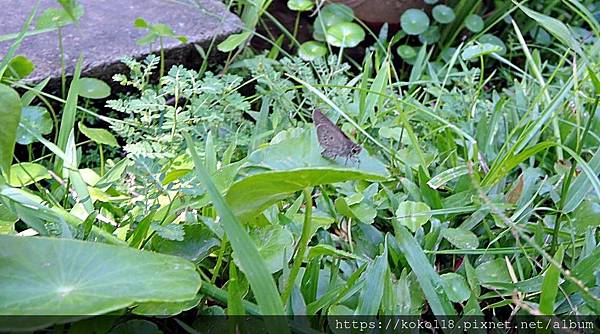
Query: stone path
[[106, 33]]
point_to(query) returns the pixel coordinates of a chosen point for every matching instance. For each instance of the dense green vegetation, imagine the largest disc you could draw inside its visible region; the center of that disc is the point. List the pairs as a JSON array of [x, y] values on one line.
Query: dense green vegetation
[[206, 192]]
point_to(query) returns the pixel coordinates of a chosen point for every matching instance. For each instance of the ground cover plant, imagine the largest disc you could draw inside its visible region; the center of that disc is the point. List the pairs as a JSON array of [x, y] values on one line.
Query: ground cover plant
[[476, 190]]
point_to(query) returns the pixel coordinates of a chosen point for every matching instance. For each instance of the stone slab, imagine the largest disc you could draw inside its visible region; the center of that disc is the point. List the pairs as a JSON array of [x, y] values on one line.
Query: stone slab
[[106, 33]]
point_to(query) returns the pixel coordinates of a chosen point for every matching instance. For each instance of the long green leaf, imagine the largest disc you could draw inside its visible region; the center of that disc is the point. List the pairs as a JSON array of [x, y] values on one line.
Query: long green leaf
[[430, 281], [251, 263], [582, 185], [10, 115], [69, 115], [550, 284], [370, 297]]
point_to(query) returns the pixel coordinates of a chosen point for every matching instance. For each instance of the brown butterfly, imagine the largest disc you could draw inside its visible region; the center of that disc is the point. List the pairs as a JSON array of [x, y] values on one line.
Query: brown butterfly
[[333, 141]]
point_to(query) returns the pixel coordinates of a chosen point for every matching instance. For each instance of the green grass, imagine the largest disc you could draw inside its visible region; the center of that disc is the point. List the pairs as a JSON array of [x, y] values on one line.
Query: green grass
[[476, 191]]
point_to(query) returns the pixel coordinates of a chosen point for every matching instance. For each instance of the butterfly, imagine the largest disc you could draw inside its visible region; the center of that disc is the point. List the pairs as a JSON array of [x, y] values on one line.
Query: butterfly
[[333, 141]]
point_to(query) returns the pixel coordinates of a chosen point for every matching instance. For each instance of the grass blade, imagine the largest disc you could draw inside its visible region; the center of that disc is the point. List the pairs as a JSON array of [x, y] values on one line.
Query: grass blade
[[69, 115], [251, 262], [430, 281], [550, 284]]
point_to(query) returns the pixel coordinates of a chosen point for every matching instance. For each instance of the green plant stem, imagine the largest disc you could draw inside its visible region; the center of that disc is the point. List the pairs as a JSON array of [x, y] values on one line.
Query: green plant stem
[[217, 268], [302, 244], [162, 58], [101, 151], [63, 74], [295, 32], [222, 295]]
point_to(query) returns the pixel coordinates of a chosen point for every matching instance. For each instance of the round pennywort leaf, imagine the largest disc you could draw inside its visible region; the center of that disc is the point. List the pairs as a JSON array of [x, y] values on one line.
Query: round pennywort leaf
[[414, 21], [406, 52], [35, 119], [431, 36], [300, 5], [92, 88], [443, 14], [474, 23], [345, 34], [312, 50]]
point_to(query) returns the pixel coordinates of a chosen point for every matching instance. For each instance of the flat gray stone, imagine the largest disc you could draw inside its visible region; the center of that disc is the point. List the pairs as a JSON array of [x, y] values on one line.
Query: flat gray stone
[[106, 33]]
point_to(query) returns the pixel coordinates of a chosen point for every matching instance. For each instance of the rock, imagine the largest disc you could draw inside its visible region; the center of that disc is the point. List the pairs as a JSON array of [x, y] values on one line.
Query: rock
[[106, 33]]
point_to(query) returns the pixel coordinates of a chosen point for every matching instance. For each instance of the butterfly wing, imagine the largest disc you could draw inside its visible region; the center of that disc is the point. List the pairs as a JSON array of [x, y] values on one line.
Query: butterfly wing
[[334, 142]]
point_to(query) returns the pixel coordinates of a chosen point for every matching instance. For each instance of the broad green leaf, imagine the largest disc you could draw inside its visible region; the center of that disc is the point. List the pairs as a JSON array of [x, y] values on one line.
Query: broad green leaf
[[586, 215], [198, 242], [233, 41], [456, 287], [19, 68], [98, 135], [72, 277], [430, 282], [360, 211], [35, 120], [26, 173], [92, 88], [173, 232], [275, 245], [252, 264], [10, 114], [7, 220], [460, 238], [289, 164], [491, 272], [413, 214], [166, 309]]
